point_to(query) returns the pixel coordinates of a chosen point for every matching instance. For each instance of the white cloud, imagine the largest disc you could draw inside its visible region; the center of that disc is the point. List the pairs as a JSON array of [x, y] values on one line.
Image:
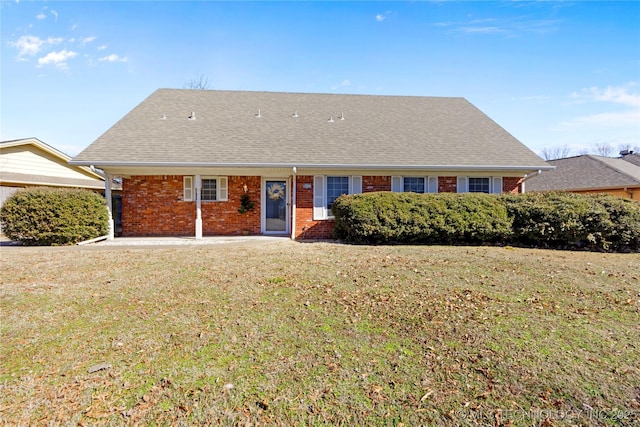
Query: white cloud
[[626, 95], [88, 39], [103, 47], [382, 16], [610, 119], [59, 59], [55, 15], [41, 16], [113, 58], [31, 45], [28, 45]]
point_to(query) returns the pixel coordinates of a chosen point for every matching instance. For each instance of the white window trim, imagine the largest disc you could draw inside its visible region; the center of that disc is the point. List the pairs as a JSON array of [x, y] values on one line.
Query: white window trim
[[430, 183], [320, 210], [222, 188], [495, 184]]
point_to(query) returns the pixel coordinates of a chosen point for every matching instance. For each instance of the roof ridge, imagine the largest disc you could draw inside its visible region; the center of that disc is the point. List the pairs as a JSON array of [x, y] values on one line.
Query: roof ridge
[[620, 171], [306, 93]]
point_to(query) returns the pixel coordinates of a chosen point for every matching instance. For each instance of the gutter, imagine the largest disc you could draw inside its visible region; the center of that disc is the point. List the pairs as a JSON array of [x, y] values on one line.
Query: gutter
[[460, 168], [528, 176]]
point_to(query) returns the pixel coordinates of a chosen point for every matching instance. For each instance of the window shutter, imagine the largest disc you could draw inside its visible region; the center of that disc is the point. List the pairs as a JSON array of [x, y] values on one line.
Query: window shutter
[[356, 185], [223, 190], [462, 186], [319, 211], [497, 185], [187, 184], [432, 184], [396, 184]]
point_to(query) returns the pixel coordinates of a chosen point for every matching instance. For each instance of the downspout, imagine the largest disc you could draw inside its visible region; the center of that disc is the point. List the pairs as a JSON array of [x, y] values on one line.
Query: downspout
[[527, 177], [198, 209], [293, 204]]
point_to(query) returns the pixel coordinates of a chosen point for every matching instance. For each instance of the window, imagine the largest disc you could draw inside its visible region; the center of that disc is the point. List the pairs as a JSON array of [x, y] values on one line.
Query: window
[[336, 187], [208, 192], [414, 184], [212, 188], [492, 185], [326, 189], [478, 185]]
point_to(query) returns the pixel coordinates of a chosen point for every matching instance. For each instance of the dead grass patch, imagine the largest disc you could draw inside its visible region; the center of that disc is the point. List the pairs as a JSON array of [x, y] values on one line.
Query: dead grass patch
[[319, 334]]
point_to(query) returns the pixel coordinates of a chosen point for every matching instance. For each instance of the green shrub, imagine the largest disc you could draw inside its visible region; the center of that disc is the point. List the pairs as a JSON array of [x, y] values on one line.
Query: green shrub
[[551, 220], [50, 216], [622, 230], [566, 220], [387, 217]]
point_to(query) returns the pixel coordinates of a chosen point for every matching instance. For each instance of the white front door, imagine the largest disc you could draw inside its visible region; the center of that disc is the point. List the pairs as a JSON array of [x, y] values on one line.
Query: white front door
[[275, 206]]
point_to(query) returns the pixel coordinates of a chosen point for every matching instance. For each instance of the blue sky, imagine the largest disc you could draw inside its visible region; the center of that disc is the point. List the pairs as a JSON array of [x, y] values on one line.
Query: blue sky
[[552, 73]]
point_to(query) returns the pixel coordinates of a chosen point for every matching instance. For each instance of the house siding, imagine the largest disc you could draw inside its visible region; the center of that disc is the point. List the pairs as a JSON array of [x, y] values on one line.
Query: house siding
[[376, 183], [306, 226], [511, 185], [155, 206], [447, 184]]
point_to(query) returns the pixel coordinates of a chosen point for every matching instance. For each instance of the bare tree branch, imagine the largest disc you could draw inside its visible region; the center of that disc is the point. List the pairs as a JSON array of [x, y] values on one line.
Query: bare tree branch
[[554, 153], [201, 83], [604, 149]]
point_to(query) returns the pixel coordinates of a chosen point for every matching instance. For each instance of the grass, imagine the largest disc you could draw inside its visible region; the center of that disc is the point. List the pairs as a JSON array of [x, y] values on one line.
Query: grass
[[287, 333]]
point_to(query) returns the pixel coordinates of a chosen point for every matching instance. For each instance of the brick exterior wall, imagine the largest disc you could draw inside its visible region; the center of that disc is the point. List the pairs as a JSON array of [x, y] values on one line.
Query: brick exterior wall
[[376, 183], [306, 227], [447, 184], [154, 206], [511, 185]]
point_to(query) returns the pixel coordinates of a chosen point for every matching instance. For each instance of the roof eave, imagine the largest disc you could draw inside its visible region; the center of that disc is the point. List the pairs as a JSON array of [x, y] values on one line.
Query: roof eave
[[460, 168]]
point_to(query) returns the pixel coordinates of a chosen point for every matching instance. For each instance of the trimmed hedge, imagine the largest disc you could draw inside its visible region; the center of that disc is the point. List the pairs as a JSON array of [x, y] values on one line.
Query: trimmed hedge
[[386, 217], [551, 220], [566, 220], [52, 216]]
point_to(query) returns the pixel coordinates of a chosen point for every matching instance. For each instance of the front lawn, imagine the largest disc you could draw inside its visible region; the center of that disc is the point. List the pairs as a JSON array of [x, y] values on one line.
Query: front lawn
[[287, 333]]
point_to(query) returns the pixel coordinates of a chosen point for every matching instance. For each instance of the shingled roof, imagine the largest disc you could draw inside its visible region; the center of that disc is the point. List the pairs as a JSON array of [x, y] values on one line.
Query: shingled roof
[[587, 172], [232, 128]]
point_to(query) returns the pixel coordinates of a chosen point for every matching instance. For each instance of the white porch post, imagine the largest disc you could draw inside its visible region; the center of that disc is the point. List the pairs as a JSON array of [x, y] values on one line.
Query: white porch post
[[293, 203], [198, 208], [107, 195]]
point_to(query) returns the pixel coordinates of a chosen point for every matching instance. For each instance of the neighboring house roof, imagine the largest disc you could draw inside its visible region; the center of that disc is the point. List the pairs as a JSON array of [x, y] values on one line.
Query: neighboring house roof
[[586, 172], [266, 129], [632, 158], [30, 161]]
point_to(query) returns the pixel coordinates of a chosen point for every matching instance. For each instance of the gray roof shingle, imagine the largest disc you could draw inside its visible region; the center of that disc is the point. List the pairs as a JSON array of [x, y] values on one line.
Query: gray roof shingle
[[376, 130], [586, 172]]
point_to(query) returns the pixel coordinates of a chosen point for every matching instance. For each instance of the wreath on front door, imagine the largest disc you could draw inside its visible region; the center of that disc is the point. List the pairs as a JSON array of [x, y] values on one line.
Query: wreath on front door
[[275, 191]]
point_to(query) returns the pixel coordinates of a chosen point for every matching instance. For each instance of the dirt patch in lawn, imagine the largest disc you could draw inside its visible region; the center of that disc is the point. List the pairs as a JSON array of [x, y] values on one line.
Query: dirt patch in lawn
[[288, 333]]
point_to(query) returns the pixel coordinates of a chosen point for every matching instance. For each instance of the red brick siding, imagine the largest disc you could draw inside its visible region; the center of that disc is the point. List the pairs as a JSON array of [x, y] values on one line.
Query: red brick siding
[[376, 183], [154, 206], [306, 227], [511, 185], [447, 184], [223, 218]]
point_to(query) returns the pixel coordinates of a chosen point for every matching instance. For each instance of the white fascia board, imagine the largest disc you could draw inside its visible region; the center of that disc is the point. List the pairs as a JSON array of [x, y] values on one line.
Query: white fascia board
[[456, 168]]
